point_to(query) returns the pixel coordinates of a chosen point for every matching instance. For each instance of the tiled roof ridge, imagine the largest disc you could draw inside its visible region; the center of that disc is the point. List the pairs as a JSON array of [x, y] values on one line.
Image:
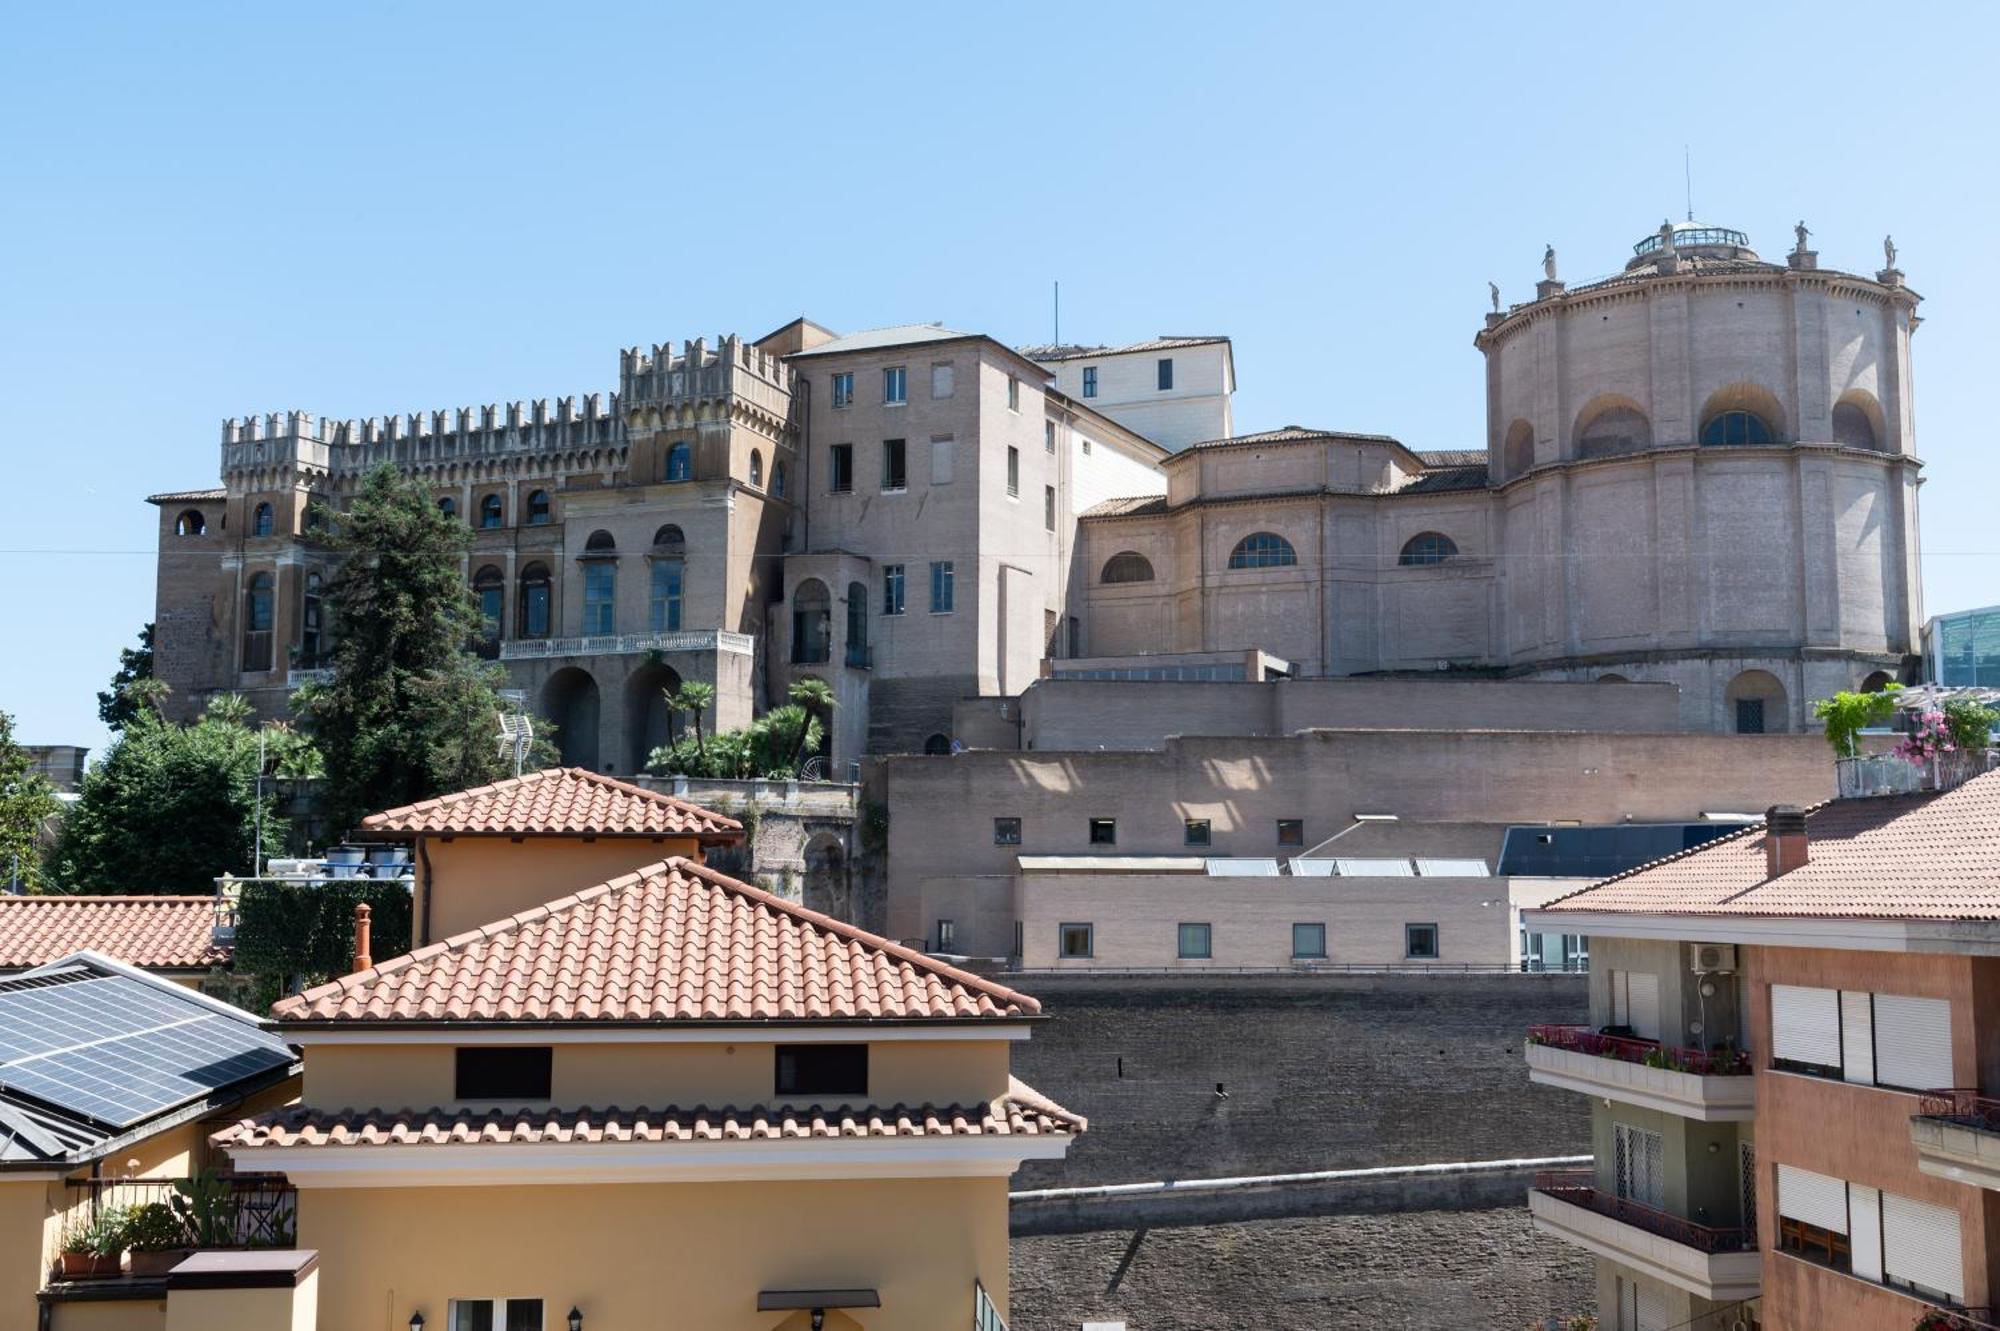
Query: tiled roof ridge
[[1727, 839], [440, 802], [547, 910], [74, 898]]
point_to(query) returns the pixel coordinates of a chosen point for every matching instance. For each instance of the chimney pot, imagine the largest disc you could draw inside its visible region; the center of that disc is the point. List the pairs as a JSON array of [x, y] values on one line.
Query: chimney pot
[[1785, 841], [362, 959]]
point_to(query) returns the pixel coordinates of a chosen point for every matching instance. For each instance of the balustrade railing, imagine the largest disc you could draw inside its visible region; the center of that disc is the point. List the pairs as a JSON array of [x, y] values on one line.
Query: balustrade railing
[[625, 644], [252, 1210], [1578, 1188], [1627, 1049], [1936, 1317], [1962, 1105]]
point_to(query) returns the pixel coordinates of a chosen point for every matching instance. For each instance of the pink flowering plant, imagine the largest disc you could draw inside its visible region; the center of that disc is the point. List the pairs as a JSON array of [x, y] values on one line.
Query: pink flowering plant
[[1929, 736]]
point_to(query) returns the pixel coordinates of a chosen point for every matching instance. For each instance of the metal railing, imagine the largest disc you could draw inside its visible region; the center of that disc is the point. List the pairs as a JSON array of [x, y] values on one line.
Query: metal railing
[[1962, 1105], [259, 1210], [300, 677], [1937, 1317], [1578, 1188], [985, 1317], [625, 644], [1651, 1053], [1309, 967]]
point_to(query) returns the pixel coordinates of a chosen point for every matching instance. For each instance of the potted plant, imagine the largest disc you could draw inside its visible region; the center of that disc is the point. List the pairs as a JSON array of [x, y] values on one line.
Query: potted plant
[[156, 1238], [92, 1247]]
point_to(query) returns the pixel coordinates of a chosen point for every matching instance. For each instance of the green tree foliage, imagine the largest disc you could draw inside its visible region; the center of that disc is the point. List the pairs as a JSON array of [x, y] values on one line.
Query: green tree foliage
[[116, 706], [27, 802], [168, 808], [293, 934], [410, 712], [1846, 715], [1971, 725], [768, 746], [816, 697]]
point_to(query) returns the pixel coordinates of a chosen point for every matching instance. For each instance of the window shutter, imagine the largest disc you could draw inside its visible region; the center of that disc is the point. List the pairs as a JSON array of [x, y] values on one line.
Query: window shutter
[[941, 461], [1646, 1005], [1920, 1245], [1652, 1308], [1813, 1198], [1857, 1037], [1913, 1042], [1864, 1212], [1805, 1025]]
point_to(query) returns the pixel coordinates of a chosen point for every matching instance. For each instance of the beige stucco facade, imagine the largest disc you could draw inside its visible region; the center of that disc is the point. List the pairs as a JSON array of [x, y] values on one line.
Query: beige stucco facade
[[463, 882]]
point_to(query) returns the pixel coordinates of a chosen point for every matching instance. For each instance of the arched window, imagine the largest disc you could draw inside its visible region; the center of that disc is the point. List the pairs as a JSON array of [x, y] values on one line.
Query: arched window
[[1128, 566], [1612, 425], [491, 512], [534, 617], [778, 479], [1263, 549], [1852, 427], [812, 631], [600, 543], [262, 521], [1755, 704], [680, 463], [1427, 547], [257, 617], [312, 623], [1519, 450], [937, 745], [539, 512], [664, 599], [1736, 427], [669, 538], [857, 625], [191, 523], [756, 467], [448, 506], [491, 589]]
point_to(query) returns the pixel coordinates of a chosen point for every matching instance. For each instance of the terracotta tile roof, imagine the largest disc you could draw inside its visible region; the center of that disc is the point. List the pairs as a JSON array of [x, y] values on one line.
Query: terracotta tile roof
[[557, 801], [671, 942], [1453, 457], [1897, 857], [1021, 1112], [1292, 434], [1131, 506], [1049, 352], [167, 933], [187, 496], [1445, 479]]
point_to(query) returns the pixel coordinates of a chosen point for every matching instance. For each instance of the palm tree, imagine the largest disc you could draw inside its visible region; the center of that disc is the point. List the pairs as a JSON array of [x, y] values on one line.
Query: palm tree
[[816, 696], [694, 696]]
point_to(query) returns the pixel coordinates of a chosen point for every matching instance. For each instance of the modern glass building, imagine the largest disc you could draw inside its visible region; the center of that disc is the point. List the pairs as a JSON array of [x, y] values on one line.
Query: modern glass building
[[1963, 649]]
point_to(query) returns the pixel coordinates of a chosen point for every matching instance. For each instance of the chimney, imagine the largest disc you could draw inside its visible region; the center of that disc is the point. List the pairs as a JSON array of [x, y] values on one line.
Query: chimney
[[362, 961], [1784, 839]]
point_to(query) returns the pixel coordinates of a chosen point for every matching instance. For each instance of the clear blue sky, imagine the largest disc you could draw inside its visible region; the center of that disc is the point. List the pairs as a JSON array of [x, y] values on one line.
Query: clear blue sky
[[363, 209]]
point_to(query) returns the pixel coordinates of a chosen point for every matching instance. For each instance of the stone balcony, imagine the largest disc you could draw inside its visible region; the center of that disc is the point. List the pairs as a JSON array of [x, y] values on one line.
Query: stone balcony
[[626, 644], [1719, 1264], [1707, 1086], [1957, 1136]]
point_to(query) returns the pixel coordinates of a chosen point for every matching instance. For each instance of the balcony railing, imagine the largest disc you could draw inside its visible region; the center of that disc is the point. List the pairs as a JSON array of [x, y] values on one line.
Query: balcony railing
[[985, 1317], [1578, 1188], [627, 644], [1650, 1053], [1936, 1317], [256, 1211], [1963, 1106]]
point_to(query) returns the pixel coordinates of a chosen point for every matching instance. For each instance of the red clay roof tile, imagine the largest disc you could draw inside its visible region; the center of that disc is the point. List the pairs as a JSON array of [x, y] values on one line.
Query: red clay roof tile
[[163, 933], [557, 801], [671, 942]]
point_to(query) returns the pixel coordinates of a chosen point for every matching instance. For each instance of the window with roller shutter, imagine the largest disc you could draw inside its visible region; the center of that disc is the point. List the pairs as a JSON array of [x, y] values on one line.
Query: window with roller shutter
[[1805, 1029], [1912, 1042], [1920, 1248]]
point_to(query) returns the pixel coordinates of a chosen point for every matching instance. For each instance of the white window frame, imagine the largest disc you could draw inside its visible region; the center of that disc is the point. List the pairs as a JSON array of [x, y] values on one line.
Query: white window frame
[[895, 385], [843, 389], [499, 1307]]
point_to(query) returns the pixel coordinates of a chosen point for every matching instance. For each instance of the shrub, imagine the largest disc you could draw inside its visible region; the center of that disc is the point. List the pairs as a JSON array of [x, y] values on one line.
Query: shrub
[[304, 931], [154, 1228]]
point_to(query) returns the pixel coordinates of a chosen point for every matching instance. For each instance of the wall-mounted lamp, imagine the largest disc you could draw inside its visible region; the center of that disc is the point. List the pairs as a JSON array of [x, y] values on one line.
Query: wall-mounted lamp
[[818, 1318], [416, 1321], [575, 1319]]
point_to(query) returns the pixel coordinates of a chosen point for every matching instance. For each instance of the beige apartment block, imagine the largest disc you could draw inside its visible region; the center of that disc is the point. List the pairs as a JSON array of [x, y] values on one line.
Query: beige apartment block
[[1174, 390]]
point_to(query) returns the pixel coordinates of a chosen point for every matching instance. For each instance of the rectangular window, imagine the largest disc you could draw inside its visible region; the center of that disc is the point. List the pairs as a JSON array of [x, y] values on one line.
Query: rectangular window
[[1166, 373], [1006, 831], [1104, 831], [941, 460], [1013, 393], [1020, 939], [1049, 507], [892, 589], [535, 610], [1194, 832], [1309, 942], [516, 1073], [943, 589], [895, 476], [822, 1069], [1049, 437], [1195, 940], [1635, 1003], [664, 605], [895, 385], [1090, 381], [947, 935], [941, 377], [1013, 471], [843, 389], [1420, 942], [1749, 716], [840, 469], [1805, 1030], [495, 1315], [1075, 940], [1640, 1165], [1075, 637], [600, 598], [1291, 832], [1912, 1042]]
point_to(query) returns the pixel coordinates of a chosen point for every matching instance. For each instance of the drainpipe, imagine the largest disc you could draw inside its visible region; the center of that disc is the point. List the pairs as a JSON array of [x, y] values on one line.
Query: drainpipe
[[424, 862]]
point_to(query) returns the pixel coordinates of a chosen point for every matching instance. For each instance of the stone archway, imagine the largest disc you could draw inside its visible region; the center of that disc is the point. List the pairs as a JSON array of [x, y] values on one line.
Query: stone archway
[[649, 722], [827, 888], [570, 700]]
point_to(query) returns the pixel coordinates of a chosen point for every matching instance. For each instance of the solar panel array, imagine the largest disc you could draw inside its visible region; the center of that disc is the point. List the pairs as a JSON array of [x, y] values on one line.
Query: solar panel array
[[118, 1050]]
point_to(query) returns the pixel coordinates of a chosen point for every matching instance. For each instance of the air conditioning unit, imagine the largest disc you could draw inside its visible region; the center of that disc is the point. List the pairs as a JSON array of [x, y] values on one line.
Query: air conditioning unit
[[1714, 958]]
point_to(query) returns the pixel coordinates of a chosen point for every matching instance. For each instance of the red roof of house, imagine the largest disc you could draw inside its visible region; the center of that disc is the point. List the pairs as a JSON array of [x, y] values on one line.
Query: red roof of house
[[1932, 856], [159, 933], [557, 801], [671, 942], [1021, 1112]]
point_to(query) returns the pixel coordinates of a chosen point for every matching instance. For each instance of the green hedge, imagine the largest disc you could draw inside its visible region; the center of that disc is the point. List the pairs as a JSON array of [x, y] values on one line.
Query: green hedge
[[307, 931]]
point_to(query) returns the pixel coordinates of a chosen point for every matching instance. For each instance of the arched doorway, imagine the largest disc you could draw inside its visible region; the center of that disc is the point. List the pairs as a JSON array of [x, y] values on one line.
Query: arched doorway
[[937, 745], [1878, 681], [826, 888], [649, 722], [570, 700], [1754, 704], [812, 628]]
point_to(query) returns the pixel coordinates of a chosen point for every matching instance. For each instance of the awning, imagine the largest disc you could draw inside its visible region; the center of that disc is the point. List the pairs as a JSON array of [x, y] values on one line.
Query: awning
[[787, 1300]]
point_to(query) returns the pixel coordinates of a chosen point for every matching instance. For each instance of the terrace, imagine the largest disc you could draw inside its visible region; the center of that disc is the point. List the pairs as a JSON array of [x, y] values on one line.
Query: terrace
[[1957, 1136], [1715, 1263], [1710, 1086]]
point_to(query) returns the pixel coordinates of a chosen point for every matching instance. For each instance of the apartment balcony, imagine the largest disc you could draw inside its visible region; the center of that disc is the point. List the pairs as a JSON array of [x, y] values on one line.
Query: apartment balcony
[[1718, 1264], [1712, 1086], [628, 644], [1957, 1136]]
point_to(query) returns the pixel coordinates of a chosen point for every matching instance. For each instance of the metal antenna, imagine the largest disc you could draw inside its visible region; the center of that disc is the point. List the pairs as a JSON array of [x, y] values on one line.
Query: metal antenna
[[1687, 170], [517, 736], [1058, 331]]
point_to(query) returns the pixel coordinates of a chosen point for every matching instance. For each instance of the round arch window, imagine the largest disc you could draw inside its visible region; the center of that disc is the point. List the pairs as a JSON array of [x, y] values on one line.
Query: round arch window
[[1427, 548], [1736, 427], [1263, 549]]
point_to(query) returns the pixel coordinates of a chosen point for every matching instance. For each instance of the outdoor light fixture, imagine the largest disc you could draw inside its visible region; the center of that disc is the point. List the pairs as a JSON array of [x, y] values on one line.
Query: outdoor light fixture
[[575, 1319], [416, 1321], [818, 1318]]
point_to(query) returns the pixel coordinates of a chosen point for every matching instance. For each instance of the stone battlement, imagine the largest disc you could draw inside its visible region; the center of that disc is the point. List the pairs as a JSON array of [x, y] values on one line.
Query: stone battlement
[[323, 443], [697, 371]]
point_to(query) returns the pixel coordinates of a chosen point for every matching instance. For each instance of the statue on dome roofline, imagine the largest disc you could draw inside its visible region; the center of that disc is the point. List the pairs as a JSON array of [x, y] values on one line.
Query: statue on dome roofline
[[1493, 289], [1549, 262], [1802, 234], [1889, 251]]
